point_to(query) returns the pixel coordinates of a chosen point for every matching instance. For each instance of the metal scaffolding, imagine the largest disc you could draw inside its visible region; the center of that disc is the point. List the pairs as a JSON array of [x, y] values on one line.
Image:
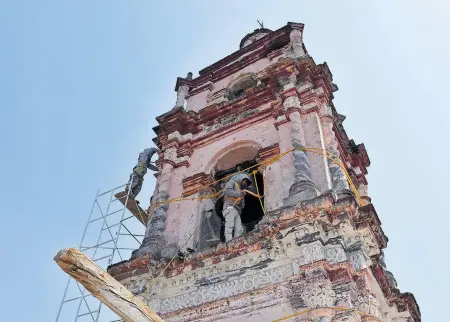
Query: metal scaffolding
[[114, 229]]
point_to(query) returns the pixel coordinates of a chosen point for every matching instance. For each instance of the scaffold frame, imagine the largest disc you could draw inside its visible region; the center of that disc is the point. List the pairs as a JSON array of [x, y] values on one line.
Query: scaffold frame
[[111, 212]]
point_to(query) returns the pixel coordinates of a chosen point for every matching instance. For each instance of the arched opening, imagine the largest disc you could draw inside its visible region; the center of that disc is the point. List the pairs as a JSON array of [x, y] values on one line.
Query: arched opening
[[230, 160], [253, 211], [237, 88]]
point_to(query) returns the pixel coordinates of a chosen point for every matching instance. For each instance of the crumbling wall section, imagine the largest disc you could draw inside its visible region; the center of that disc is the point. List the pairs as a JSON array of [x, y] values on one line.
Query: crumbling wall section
[[318, 255]]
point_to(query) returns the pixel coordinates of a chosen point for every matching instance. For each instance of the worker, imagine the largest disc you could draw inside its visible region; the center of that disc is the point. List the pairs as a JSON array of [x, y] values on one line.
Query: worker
[[233, 203], [139, 171]]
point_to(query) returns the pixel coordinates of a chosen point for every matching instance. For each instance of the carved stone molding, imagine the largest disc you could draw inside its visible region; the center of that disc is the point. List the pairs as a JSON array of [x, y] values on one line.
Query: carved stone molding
[[268, 153], [196, 183], [225, 289], [368, 304], [318, 294]]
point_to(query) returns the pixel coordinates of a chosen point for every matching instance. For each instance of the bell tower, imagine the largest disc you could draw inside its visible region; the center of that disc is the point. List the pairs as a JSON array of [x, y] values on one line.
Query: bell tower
[[313, 243]]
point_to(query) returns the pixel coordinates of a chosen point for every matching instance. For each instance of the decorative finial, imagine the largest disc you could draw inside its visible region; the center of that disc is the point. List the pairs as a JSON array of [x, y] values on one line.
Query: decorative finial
[[261, 24]]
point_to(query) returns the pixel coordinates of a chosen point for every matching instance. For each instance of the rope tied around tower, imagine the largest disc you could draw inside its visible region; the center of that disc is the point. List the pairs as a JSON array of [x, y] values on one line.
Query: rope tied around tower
[[330, 156], [335, 159]]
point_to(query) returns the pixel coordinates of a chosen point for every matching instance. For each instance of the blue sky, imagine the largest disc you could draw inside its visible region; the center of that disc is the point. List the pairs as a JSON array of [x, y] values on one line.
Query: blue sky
[[81, 83]]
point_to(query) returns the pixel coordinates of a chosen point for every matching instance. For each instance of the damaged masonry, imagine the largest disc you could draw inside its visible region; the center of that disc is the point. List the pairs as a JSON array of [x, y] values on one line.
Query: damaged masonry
[[261, 209]]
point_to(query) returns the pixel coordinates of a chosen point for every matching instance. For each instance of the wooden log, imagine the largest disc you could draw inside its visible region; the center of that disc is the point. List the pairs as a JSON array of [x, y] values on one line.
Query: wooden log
[[104, 287]]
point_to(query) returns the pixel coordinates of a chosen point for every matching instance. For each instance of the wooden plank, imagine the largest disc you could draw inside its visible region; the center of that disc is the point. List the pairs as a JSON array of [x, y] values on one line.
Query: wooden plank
[[133, 207], [104, 287]]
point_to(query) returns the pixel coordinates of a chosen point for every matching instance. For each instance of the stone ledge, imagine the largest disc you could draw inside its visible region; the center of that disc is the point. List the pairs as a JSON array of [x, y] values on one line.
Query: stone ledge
[[323, 207], [305, 242]]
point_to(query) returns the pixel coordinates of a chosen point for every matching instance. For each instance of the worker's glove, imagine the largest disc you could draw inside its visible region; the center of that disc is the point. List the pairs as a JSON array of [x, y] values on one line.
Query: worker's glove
[[243, 193]]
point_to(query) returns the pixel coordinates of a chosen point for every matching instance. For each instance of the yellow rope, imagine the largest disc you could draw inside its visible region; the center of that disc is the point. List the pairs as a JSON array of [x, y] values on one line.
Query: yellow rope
[[335, 159], [181, 198], [257, 191]]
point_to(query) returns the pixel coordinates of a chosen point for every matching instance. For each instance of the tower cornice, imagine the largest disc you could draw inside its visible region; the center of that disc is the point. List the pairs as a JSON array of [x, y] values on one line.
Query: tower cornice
[[242, 57]]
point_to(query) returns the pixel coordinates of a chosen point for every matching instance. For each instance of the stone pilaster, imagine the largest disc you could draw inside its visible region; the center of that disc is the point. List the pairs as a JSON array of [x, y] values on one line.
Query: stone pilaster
[[320, 173], [182, 92], [303, 188], [273, 186], [153, 242], [296, 38], [338, 180]]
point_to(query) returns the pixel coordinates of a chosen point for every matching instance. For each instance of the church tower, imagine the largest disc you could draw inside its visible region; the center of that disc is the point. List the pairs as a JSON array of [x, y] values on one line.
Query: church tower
[[313, 243]]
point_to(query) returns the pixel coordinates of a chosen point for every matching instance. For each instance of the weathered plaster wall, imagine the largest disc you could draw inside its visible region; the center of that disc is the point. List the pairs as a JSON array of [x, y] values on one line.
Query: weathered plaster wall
[[184, 217], [198, 101], [264, 134], [253, 68]]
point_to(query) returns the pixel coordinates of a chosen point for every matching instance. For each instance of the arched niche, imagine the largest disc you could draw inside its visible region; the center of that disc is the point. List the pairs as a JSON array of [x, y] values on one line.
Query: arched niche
[[237, 87]]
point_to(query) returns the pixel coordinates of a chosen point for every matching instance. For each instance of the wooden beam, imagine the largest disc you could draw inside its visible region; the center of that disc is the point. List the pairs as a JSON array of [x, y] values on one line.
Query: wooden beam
[[133, 207], [104, 287]]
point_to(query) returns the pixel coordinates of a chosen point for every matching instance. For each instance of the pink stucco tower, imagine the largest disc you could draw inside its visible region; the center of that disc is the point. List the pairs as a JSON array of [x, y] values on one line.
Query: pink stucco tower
[[313, 247]]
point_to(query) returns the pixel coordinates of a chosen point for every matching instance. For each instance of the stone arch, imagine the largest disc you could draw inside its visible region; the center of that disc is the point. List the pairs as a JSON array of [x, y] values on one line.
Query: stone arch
[[237, 87], [252, 147]]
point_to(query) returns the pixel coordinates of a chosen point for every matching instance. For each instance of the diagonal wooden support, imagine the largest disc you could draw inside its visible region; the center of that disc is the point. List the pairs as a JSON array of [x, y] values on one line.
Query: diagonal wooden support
[[133, 207], [104, 287]]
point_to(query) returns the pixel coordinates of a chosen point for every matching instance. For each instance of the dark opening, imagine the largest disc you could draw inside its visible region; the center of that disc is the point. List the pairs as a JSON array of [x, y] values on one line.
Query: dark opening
[[252, 212], [236, 94], [238, 89], [277, 44]]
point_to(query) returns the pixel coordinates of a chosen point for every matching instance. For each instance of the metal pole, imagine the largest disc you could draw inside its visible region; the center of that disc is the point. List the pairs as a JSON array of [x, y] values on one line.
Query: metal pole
[[117, 236], [104, 193], [81, 242], [98, 240], [123, 215], [90, 216]]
